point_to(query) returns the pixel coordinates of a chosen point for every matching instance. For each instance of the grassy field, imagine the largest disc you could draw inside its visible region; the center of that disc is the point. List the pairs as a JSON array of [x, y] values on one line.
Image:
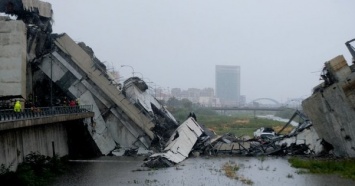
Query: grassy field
[[244, 123], [238, 123], [343, 167]]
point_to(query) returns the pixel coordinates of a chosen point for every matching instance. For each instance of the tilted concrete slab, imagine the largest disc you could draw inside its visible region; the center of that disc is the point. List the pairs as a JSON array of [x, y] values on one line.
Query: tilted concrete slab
[[75, 71], [85, 63], [331, 110], [181, 142], [58, 68]]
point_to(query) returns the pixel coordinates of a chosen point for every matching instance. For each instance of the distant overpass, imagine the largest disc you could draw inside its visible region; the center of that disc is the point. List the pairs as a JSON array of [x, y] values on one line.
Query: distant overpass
[[249, 108], [254, 109]]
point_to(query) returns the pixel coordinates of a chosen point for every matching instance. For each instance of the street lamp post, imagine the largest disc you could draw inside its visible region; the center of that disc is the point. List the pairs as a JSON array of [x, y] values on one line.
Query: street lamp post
[[130, 67]]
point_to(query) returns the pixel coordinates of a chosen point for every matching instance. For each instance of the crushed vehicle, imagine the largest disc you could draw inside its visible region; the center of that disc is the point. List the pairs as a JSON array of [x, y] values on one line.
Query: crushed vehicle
[[264, 133]]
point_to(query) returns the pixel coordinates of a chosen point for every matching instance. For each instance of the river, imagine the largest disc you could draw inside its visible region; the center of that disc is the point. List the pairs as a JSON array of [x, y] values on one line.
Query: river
[[109, 171], [272, 117]]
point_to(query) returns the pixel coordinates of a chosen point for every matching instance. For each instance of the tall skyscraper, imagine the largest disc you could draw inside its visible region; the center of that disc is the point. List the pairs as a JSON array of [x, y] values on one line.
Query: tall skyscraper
[[228, 84]]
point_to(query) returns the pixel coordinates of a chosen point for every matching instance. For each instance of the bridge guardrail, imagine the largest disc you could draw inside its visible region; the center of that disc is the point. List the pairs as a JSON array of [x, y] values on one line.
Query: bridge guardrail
[[38, 112]]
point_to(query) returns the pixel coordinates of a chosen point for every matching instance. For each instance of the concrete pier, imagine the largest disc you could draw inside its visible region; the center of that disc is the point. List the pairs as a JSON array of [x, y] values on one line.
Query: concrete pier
[[46, 135]]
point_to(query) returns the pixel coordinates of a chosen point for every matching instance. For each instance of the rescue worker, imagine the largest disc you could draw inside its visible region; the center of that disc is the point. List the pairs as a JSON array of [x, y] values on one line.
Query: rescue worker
[[17, 106], [77, 101]]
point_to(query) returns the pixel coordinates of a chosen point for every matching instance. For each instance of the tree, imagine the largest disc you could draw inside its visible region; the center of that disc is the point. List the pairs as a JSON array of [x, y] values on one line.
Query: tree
[[173, 102], [186, 103]]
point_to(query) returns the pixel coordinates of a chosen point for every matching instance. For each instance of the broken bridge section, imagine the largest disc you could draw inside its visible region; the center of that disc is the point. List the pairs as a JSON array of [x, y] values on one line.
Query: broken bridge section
[[50, 66], [331, 107], [179, 145], [116, 119], [126, 116]]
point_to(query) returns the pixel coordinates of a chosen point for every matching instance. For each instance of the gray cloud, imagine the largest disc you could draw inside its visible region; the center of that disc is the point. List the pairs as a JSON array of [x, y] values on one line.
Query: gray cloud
[[280, 45]]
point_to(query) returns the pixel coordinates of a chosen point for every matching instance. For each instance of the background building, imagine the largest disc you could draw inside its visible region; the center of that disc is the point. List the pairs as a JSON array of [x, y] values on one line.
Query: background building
[[228, 84], [204, 97]]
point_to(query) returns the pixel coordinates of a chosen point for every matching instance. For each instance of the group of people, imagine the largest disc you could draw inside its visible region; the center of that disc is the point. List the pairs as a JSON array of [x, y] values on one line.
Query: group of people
[[65, 102]]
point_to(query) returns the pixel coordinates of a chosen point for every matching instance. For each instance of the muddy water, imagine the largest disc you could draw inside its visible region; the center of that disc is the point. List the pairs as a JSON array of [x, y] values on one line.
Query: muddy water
[[109, 171]]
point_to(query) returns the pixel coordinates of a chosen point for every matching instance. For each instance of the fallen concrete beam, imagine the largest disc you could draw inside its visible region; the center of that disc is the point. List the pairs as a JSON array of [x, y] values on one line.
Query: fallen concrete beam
[[179, 145]]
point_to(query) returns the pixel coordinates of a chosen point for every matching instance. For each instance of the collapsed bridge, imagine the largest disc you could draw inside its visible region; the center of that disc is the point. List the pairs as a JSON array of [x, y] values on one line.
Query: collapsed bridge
[[41, 67]]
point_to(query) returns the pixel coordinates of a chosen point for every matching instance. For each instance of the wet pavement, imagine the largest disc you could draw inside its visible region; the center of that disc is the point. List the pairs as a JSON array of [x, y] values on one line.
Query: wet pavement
[[193, 171]]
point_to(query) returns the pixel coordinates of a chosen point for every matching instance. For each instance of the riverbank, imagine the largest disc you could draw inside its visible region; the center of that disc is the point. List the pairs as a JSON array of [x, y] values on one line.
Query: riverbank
[[36, 170], [193, 171], [342, 167]]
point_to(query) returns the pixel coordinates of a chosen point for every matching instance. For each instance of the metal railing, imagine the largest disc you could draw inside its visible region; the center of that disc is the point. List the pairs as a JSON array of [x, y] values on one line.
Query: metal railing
[[38, 112]]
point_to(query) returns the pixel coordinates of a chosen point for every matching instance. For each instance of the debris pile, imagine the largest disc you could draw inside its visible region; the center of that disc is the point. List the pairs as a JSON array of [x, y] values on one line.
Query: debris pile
[[303, 140], [135, 90], [179, 145]]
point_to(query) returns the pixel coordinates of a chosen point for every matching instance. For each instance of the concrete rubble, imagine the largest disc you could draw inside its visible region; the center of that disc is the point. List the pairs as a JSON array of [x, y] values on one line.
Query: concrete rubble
[[331, 106], [302, 140], [179, 145], [129, 121]]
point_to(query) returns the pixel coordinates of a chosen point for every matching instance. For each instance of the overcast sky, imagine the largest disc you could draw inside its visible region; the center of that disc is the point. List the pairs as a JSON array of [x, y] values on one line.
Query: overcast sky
[[280, 45]]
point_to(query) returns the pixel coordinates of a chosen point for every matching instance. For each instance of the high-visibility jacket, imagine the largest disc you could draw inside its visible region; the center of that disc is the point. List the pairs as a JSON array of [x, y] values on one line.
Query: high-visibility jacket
[[17, 107]]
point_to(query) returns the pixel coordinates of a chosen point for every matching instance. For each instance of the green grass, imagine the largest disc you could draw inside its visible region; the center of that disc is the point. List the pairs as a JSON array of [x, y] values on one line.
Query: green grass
[[344, 167], [237, 123]]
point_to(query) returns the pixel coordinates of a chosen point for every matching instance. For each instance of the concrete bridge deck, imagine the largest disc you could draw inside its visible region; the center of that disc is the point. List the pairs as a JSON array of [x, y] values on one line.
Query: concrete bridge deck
[[42, 115]]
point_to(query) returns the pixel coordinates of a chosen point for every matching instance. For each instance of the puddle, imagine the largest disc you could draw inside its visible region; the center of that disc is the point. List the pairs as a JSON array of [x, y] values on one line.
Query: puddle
[[193, 171]]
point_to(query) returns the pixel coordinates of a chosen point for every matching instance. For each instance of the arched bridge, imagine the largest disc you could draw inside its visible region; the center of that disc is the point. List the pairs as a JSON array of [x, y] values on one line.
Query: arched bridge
[[250, 108], [254, 109], [268, 99]]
